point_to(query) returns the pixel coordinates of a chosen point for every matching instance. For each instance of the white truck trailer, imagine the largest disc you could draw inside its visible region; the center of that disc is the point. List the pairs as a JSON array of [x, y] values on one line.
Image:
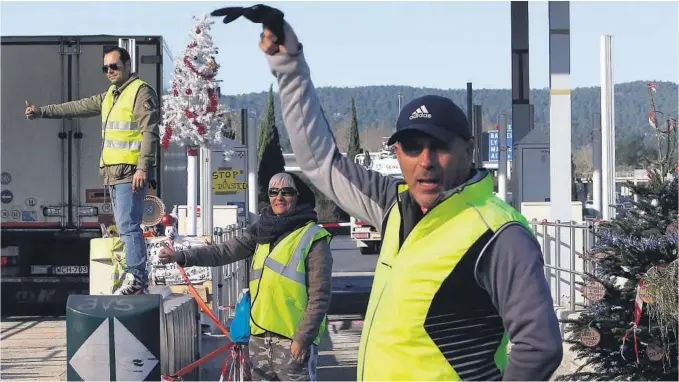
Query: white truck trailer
[[53, 199]]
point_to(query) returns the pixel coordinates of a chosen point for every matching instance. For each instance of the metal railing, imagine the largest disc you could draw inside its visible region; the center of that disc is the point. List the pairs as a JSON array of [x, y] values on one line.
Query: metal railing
[[564, 246], [228, 281]]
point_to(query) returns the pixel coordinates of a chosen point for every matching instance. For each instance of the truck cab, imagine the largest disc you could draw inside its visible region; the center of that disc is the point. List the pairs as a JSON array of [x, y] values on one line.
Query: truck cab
[[368, 239]]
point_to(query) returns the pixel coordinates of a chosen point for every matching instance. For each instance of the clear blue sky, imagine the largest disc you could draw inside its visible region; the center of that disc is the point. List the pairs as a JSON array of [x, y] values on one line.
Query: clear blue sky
[[431, 44]]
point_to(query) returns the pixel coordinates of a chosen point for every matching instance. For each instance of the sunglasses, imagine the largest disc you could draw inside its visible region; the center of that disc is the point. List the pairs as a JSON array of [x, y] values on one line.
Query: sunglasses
[[113, 67], [287, 191]]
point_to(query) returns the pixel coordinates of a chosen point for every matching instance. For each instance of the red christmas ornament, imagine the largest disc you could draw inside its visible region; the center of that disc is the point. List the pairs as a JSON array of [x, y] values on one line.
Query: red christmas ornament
[[166, 138], [189, 91], [167, 220], [176, 92], [189, 114], [201, 128], [197, 30]]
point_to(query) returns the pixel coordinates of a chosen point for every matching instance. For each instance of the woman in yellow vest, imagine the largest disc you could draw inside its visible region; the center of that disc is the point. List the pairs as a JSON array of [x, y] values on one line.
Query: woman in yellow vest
[[290, 279]]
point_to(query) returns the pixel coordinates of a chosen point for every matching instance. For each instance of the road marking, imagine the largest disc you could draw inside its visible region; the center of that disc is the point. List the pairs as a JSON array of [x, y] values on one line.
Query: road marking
[[345, 274]]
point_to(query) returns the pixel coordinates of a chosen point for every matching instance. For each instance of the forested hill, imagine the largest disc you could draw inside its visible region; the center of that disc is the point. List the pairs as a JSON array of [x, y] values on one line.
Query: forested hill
[[378, 106]]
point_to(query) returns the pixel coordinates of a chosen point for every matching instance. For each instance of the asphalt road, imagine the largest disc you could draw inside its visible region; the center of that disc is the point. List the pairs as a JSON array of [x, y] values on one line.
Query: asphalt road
[[348, 259]]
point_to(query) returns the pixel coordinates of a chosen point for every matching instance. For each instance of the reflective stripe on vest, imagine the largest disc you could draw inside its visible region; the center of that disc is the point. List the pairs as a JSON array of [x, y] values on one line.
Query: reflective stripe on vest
[[121, 138], [401, 339], [290, 270], [278, 283]]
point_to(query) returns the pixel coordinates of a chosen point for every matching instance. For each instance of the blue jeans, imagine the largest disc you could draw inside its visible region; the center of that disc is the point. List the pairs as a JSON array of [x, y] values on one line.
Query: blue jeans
[[128, 209]]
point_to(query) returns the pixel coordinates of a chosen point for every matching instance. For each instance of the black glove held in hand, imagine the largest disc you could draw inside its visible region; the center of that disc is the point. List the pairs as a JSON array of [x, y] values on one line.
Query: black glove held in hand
[[269, 17]]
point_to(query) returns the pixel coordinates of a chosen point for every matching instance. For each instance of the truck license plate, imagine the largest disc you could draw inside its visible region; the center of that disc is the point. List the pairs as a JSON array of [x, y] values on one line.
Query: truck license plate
[[70, 270]]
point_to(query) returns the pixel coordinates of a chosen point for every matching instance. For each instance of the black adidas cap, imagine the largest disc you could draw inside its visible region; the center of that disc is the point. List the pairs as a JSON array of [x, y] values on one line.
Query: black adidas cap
[[434, 115]]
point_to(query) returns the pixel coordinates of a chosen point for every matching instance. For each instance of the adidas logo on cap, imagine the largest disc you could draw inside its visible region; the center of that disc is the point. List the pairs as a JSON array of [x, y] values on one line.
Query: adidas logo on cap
[[420, 112]]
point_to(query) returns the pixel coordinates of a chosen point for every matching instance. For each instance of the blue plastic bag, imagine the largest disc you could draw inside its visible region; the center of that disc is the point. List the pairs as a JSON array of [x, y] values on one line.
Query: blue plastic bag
[[240, 325]]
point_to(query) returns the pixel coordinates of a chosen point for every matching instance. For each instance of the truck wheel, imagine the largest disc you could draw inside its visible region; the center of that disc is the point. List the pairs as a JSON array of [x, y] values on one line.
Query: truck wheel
[[367, 250]]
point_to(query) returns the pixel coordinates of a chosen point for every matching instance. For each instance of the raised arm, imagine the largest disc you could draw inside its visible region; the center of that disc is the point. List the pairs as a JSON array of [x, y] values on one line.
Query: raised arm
[[86, 107], [362, 193], [235, 249]]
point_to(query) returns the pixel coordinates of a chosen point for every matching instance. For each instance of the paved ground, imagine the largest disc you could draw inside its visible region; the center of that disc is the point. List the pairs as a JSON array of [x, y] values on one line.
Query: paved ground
[[34, 348], [348, 259], [336, 356]]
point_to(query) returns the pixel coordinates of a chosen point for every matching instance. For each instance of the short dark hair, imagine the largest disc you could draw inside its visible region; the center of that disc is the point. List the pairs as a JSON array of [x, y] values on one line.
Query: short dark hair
[[124, 55]]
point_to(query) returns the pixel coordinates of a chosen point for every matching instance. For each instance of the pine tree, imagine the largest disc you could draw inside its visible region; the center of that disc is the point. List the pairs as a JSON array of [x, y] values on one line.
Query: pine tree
[[629, 329], [269, 151], [192, 113], [354, 143]]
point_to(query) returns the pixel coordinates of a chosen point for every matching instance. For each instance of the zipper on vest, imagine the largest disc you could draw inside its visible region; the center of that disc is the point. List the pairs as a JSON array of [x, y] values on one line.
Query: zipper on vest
[[367, 338], [259, 284], [114, 99], [379, 299]]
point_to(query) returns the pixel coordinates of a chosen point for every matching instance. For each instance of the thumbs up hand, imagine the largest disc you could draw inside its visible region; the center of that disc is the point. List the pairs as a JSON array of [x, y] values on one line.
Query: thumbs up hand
[[31, 111]]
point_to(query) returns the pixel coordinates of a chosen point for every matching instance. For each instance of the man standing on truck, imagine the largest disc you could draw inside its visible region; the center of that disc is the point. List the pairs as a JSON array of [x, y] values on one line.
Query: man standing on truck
[[459, 273], [130, 115]]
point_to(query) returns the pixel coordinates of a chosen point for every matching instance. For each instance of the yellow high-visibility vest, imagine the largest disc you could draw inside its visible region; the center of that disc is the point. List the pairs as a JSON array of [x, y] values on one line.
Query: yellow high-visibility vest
[[412, 315], [120, 135], [278, 283]]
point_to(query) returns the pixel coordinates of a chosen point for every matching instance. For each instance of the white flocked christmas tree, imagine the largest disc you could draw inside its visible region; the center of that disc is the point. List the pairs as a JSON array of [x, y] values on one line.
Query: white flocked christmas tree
[[192, 114]]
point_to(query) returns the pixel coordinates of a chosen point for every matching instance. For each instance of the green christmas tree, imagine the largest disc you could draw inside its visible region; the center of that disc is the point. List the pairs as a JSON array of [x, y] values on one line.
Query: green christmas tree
[[269, 153], [354, 143], [353, 150], [629, 329]]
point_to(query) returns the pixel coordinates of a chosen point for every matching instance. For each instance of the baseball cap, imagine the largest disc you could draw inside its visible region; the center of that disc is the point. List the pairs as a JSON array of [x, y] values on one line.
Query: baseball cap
[[434, 115]]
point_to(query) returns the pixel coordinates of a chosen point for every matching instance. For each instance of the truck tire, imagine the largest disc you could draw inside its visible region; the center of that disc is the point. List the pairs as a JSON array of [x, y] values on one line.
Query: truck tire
[[366, 250], [372, 249]]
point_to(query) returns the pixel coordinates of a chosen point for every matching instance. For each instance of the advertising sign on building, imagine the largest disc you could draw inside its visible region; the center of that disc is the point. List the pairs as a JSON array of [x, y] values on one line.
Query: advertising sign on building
[[229, 180], [494, 144]]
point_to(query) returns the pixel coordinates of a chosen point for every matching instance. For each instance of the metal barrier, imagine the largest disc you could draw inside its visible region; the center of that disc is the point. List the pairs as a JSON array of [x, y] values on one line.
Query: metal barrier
[[228, 281], [564, 246]]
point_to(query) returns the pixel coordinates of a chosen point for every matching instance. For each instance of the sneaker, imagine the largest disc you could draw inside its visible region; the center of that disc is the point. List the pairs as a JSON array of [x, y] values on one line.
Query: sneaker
[[131, 285]]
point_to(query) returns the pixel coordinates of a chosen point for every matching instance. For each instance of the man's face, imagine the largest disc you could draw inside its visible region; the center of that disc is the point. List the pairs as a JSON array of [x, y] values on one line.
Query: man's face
[[430, 167], [117, 72]]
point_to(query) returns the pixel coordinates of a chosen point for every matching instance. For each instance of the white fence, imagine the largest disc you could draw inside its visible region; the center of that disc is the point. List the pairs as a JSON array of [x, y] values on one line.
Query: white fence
[[228, 281], [564, 246]]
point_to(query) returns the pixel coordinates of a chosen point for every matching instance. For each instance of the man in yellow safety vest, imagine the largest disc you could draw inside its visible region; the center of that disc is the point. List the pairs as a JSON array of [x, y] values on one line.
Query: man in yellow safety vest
[[459, 274], [130, 114]]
